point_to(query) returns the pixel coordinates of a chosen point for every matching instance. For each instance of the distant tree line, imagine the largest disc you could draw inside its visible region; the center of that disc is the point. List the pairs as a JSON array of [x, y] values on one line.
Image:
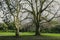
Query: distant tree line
[[29, 28]]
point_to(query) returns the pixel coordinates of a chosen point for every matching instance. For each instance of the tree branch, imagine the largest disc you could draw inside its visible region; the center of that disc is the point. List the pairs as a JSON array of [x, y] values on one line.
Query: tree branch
[[27, 10], [47, 6]]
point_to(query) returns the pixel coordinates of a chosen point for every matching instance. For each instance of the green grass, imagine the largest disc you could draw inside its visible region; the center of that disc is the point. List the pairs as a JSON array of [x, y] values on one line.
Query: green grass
[[28, 33], [51, 34], [13, 34], [7, 34], [29, 36]]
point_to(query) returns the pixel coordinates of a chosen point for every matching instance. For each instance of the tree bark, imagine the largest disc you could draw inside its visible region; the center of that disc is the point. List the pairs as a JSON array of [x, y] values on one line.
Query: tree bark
[[17, 32], [17, 25], [37, 33]]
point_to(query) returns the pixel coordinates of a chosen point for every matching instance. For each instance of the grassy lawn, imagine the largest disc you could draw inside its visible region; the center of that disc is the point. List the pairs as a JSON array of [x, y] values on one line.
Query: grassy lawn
[[28, 33], [29, 36], [51, 34], [7, 34], [13, 34]]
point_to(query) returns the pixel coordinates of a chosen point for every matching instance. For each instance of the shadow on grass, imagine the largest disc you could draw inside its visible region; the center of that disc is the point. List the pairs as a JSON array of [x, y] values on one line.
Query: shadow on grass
[[28, 37]]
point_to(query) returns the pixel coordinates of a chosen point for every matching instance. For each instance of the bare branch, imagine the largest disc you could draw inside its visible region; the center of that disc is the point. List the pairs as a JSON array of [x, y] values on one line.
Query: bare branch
[[54, 15], [7, 2], [49, 12], [43, 1], [27, 10], [47, 6], [26, 18], [31, 5]]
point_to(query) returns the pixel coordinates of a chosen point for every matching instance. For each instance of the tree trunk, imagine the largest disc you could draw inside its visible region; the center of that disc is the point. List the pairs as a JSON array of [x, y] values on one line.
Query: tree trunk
[[17, 32], [17, 24], [37, 33]]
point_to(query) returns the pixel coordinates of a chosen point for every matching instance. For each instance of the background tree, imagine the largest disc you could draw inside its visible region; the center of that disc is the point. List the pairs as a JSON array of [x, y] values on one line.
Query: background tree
[[13, 9]]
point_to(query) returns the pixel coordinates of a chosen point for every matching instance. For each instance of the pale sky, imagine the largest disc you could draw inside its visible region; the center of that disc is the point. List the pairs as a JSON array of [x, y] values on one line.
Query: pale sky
[[24, 14], [1, 14]]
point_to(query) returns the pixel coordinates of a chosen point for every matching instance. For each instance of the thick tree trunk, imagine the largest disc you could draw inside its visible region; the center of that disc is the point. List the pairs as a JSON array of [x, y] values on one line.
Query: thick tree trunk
[[37, 33], [17, 24], [17, 32]]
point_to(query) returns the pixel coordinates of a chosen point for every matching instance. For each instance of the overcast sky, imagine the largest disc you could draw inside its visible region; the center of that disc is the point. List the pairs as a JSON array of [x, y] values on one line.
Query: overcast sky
[[24, 14]]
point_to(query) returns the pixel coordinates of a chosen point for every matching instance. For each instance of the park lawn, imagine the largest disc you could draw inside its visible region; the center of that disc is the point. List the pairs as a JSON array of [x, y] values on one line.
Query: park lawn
[[51, 34], [13, 34], [43, 34], [29, 36], [7, 34], [29, 33]]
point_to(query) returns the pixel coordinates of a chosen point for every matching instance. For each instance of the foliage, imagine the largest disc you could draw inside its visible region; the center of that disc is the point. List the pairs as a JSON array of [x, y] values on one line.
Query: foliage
[[11, 26], [55, 29], [6, 27]]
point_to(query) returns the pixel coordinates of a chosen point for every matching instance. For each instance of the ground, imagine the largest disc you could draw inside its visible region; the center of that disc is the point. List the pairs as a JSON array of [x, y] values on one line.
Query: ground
[[29, 36]]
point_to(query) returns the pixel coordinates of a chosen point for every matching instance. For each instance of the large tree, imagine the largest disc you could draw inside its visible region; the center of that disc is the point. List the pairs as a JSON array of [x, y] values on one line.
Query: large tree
[[13, 9], [42, 11], [16, 7]]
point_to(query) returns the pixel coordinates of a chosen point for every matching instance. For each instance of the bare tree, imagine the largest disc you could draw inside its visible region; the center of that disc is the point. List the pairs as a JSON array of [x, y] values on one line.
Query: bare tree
[[14, 7], [16, 14], [41, 11]]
